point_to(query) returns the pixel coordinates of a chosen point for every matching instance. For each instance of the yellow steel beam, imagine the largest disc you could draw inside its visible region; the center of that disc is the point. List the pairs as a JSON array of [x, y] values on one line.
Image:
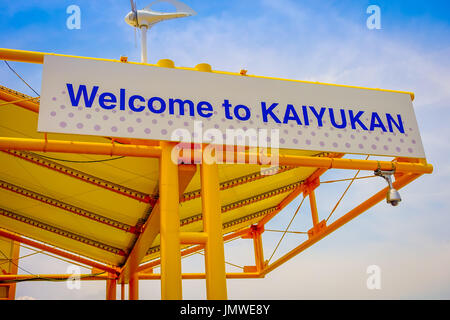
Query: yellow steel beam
[[122, 291], [378, 197], [17, 101], [112, 149], [13, 236], [338, 163], [111, 285], [258, 249], [294, 194], [12, 96], [263, 173], [103, 277], [151, 226], [61, 232], [13, 256], [193, 237], [313, 204], [245, 202], [242, 222], [231, 275], [43, 161], [67, 207], [193, 249], [38, 57], [49, 277], [169, 226], [216, 285]]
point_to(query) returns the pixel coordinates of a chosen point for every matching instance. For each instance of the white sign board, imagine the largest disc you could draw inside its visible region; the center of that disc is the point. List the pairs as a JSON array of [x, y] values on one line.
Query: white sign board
[[91, 97]]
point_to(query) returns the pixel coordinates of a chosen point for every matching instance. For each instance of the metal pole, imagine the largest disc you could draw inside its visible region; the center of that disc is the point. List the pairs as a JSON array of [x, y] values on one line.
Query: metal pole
[[111, 284], [133, 286], [366, 205], [42, 145], [312, 201], [169, 226], [259, 253], [216, 284]]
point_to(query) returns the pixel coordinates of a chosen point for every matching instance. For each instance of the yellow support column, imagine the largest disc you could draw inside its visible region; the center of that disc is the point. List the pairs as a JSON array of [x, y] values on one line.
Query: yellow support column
[[133, 286], [216, 284], [122, 291], [169, 226], [317, 226], [259, 253], [111, 285], [10, 250], [312, 201]]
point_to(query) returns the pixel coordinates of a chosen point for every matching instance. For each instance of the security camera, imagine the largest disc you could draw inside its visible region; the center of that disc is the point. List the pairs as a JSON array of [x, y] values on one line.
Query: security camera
[[392, 196]]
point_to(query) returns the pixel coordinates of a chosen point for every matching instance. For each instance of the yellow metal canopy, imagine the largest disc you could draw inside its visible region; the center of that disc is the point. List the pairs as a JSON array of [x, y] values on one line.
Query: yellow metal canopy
[[71, 200], [96, 199]]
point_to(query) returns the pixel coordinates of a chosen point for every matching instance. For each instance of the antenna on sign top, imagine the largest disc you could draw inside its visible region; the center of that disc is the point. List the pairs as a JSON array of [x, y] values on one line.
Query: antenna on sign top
[[144, 19]]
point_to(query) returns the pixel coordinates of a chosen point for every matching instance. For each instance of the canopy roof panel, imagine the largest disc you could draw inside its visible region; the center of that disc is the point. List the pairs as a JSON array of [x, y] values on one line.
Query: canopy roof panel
[[97, 197], [95, 205]]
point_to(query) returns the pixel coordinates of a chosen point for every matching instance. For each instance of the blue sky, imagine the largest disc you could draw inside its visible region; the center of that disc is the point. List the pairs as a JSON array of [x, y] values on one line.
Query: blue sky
[[324, 41]]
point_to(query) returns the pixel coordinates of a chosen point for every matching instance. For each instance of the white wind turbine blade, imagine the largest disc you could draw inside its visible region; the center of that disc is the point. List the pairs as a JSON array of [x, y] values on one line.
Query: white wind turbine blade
[[179, 6]]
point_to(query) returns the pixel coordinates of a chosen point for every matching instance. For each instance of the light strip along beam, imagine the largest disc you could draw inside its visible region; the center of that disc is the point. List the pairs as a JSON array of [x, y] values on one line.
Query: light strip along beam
[[245, 202], [238, 181], [128, 192], [61, 232], [68, 207]]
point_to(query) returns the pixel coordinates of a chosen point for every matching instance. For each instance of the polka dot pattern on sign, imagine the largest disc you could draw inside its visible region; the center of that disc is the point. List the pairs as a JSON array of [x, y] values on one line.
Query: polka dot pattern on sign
[[116, 122]]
